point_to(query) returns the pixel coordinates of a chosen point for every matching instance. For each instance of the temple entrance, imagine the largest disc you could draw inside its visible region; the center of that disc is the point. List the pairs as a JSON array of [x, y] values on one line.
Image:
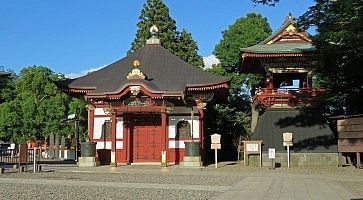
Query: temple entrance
[[145, 138]]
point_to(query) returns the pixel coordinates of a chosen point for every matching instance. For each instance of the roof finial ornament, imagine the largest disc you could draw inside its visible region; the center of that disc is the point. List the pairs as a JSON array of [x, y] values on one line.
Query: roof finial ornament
[[153, 40], [153, 30], [290, 16]]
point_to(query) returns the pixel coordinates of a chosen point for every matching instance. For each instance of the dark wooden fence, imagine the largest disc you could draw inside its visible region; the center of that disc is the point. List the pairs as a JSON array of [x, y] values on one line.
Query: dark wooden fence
[[14, 156]]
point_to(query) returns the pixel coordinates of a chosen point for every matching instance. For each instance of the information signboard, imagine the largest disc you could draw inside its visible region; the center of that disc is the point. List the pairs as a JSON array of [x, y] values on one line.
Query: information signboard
[[252, 147], [271, 153]]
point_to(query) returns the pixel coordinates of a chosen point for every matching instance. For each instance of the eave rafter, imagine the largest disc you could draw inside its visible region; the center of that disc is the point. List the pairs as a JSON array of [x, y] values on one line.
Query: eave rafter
[[207, 87], [264, 55]]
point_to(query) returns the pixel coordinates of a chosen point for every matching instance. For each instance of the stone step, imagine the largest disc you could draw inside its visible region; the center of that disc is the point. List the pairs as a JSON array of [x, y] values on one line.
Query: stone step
[[87, 159], [192, 159], [88, 162], [192, 164]]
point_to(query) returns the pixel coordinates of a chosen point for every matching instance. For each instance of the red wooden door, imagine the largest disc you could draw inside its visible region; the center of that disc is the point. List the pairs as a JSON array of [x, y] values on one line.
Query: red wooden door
[[146, 139]]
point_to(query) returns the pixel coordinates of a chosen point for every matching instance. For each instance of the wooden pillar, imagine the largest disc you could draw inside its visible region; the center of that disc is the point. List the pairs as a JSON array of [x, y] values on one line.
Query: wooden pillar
[[126, 139], [358, 160], [113, 137], [51, 146], [309, 79], [163, 131], [201, 106], [201, 127], [63, 144], [91, 119], [269, 81], [56, 146], [164, 138]]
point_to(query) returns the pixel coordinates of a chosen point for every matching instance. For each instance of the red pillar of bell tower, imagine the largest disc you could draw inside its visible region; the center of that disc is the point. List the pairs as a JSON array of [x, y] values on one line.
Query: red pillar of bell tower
[[201, 106]]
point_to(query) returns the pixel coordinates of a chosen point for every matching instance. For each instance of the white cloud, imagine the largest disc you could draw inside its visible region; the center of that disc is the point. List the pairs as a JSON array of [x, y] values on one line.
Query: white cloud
[[209, 61], [84, 72]]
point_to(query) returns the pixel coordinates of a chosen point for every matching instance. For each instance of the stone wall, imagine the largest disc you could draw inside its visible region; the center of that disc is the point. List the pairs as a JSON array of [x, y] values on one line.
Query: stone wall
[[297, 159]]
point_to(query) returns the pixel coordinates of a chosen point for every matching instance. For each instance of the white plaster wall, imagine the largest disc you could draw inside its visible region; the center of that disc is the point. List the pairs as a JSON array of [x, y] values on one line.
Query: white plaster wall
[[173, 121], [119, 145], [100, 145], [120, 128], [97, 126], [99, 111]]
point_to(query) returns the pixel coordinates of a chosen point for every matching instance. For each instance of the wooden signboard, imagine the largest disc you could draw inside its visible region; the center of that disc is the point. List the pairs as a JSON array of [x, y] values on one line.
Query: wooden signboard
[[252, 147]]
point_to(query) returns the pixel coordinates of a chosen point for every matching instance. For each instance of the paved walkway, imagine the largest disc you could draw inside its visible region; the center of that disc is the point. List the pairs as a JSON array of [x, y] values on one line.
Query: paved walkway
[[287, 186]]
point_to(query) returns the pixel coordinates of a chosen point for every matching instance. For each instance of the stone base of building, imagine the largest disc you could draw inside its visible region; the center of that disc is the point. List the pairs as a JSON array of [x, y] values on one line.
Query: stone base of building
[[192, 161], [88, 162], [296, 159]]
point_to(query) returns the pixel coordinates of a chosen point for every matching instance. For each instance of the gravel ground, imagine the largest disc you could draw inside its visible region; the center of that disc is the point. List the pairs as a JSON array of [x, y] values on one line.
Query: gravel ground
[[132, 178], [54, 191], [11, 191]]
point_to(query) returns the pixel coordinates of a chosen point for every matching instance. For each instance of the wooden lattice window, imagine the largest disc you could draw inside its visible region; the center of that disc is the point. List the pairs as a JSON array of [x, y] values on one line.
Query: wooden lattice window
[[106, 130], [183, 130]]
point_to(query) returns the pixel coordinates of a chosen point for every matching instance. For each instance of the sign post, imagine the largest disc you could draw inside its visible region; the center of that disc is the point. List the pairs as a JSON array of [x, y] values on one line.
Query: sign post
[[287, 138], [271, 155], [216, 144]]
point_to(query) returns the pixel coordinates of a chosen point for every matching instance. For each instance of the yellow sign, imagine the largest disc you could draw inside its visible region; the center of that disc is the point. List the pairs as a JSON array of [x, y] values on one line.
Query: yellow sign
[[215, 146]]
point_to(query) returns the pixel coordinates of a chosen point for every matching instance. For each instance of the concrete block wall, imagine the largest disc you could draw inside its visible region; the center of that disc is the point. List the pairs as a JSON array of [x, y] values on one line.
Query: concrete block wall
[[297, 159]]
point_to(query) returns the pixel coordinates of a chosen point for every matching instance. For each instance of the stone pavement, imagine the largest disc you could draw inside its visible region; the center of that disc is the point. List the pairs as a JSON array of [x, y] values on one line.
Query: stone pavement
[[289, 186]]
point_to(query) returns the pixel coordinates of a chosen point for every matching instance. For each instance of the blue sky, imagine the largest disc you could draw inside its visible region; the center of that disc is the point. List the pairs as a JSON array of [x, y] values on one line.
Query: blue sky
[[71, 36]]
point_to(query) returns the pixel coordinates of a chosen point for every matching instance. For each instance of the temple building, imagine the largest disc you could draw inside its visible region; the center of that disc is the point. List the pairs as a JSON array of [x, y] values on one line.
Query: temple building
[[144, 106], [287, 99]]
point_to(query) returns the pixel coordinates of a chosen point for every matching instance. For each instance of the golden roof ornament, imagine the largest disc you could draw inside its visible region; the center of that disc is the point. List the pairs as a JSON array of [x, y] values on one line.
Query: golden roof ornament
[[135, 73], [291, 29], [136, 63]]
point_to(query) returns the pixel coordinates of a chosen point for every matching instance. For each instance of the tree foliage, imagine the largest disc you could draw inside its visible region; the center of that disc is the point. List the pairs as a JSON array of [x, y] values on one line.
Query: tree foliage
[[37, 107], [155, 12], [187, 49], [339, 39], [244, 32], [6, 87], [234, 117]]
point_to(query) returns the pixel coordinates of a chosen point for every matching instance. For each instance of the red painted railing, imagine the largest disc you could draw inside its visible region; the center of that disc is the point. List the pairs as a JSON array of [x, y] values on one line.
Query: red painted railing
[[287, 97]]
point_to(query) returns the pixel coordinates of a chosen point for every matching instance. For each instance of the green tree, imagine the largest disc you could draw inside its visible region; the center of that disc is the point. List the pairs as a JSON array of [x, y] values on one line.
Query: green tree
[[155, 12], [339, 39], [36, 109], [234, 117], [245, 32], [6, 86], [187, 49]]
